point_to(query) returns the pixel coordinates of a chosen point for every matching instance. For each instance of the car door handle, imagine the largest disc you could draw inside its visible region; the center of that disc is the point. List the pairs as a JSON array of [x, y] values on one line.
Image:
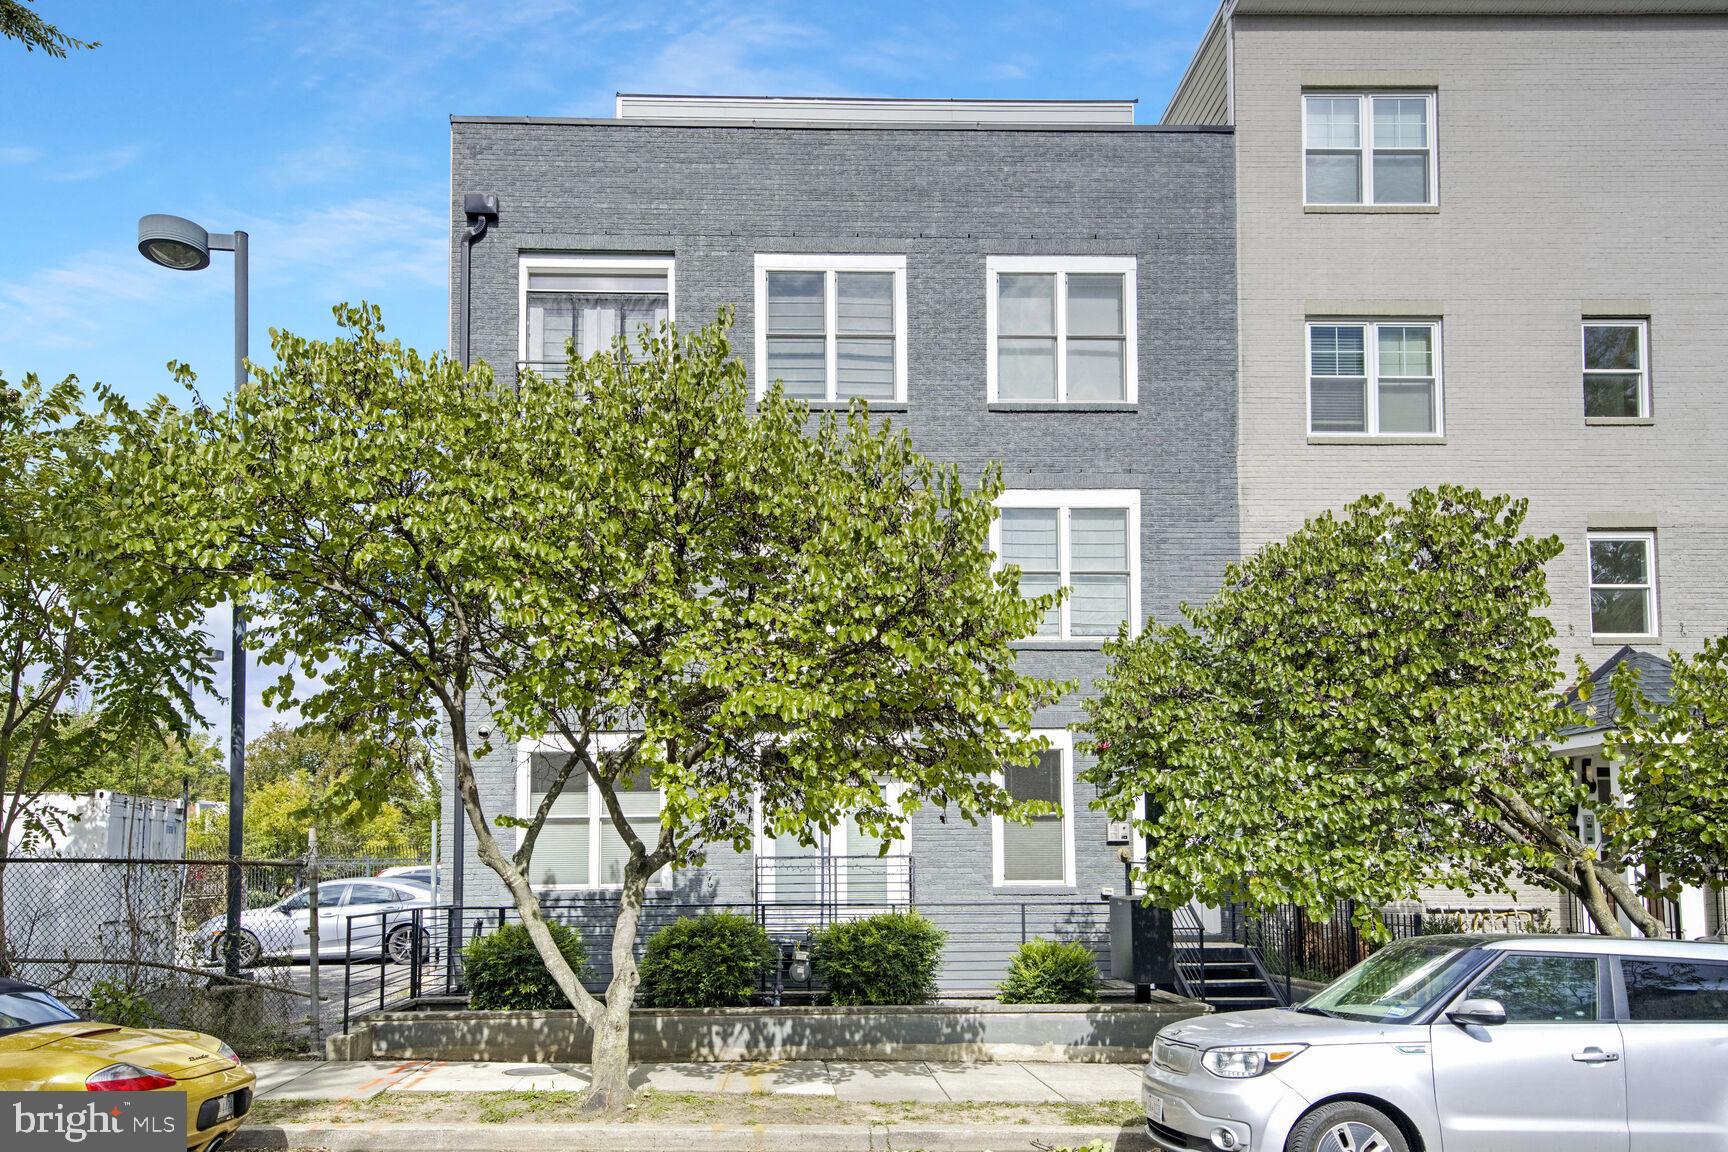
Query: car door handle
[[1595, 1056]]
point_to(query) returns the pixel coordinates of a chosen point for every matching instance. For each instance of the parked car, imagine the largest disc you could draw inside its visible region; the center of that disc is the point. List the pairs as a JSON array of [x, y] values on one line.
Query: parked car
[[363, 917], [45, 1047], [420, 874], [1466, 1043]]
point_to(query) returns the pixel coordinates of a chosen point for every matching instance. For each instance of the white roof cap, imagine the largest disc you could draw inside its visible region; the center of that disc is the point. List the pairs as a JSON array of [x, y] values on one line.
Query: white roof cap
[[846, 110]]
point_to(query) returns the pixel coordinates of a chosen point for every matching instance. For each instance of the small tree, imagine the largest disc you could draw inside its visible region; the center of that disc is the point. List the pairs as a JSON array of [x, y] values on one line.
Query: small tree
[[766, 613], [1670, 821], [1363, 710], [99, 648]]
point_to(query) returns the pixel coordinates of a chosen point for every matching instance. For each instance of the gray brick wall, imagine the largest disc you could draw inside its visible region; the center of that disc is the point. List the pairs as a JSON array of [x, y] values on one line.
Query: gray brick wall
[[714, 197]]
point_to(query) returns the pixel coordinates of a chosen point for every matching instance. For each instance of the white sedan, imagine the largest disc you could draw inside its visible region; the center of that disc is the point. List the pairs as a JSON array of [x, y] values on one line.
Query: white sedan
[[362, 917]]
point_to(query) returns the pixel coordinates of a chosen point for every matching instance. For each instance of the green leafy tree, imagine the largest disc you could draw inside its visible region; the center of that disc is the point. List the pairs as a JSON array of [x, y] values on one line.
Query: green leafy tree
[[99, 647], [802, 617], [20, 23], [1363, 710], [1670, 821], [158, 764]]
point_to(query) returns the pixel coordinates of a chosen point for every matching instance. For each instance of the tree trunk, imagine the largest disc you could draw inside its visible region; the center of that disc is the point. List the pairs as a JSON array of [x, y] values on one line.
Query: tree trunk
[[609, 1064], [1596, 902]]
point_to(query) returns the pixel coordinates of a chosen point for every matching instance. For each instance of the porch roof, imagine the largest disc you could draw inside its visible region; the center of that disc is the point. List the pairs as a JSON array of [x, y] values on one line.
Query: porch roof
[[1600, 712]]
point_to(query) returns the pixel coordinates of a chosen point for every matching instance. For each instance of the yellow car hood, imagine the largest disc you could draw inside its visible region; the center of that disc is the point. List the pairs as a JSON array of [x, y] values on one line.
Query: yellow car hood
[[182, 1055]]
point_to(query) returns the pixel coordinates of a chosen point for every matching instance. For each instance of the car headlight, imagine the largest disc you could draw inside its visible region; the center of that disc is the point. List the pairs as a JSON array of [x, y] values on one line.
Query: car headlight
[[1241, 1061]]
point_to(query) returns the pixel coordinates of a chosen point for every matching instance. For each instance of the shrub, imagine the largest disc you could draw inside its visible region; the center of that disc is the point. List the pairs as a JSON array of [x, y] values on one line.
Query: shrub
[[710, 961], [505, 973], [1050, 972], [889, 958]]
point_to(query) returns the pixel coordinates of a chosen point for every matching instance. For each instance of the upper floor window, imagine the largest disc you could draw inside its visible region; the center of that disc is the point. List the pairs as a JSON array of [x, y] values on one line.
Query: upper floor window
[[1061, 329], [1040, 852], [1374, 378], [590, 300], [1616, 369], [831, 328], [1085, 540], [1623, 584], [1368, 148]]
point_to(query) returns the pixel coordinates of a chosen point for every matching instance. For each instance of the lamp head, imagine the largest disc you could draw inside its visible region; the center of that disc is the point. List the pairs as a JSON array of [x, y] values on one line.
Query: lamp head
[[173, 242]]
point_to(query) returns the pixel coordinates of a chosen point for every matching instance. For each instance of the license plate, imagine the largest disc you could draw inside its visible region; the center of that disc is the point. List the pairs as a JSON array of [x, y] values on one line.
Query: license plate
[[1154, 1108], [225, 1107]]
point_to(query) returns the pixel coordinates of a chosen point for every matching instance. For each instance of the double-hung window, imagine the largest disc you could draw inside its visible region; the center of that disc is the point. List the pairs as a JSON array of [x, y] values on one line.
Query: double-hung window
[[589, 301], [1061, 329], [831, 328], [1040, 853], [1368, 148], [579, 847], [1616, 369], [1369, 377], [1086, 541], [1623, 585]]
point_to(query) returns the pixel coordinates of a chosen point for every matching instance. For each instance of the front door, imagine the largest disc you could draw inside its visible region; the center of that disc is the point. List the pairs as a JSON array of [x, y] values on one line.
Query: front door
[[1552, 1076]]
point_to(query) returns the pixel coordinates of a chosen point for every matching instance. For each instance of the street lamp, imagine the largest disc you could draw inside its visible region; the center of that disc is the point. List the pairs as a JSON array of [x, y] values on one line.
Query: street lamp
[[177, 243]]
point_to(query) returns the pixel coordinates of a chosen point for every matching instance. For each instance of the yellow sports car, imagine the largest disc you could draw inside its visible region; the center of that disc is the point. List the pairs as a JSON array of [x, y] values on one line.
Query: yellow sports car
[[44, 1047]]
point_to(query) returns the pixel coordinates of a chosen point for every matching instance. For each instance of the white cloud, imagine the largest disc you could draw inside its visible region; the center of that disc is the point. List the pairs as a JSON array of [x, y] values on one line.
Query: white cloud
[[64, 305], [19, 154], [92, 165], [364, 244]]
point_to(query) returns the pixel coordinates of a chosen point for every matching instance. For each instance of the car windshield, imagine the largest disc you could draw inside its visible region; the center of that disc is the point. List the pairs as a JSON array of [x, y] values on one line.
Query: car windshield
[[21, 1010], [1396, 983]]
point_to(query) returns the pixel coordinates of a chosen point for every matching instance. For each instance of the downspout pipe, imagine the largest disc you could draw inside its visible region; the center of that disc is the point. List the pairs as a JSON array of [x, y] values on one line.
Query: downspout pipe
[[481, 208]]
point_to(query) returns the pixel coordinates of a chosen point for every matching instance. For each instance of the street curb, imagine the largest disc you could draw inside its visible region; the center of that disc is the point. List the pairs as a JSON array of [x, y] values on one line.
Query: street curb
[[720, 1137]]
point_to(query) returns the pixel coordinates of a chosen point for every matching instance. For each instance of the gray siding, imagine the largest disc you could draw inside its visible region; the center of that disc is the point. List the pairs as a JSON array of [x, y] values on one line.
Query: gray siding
[[714, 197], [1203, 96]]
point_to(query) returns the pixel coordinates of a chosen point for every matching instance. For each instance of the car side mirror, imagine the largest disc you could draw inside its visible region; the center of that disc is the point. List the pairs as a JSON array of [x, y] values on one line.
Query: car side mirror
[[1478, 1011]]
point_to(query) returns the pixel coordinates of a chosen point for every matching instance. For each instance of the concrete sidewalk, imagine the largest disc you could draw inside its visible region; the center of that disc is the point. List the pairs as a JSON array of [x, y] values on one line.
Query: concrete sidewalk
[[875, 1081]]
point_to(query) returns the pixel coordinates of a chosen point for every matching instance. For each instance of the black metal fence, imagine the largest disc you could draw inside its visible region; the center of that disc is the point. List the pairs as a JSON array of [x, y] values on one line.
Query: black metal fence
[[1296, 946], [981, 938]]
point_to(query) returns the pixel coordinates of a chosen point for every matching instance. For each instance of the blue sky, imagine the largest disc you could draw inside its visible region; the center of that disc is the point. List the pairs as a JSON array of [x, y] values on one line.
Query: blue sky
[[322, 129]]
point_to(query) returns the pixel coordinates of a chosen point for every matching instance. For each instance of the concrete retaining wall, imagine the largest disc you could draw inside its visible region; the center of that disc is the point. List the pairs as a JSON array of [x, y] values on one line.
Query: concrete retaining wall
[[1079, 1032]]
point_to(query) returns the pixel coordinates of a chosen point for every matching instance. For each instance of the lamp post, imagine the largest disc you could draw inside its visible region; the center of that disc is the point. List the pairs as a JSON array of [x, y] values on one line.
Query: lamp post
[[179, 244]]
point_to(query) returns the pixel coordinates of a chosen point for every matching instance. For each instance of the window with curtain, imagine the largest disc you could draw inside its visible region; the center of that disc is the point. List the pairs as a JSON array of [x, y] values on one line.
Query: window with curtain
[[1088, 548], [1616, 376], [591, 310], [1368, 148], [1061, 330], [1623, 584], [1374, 377], [831, 328], [1036, 853], [579, 846]]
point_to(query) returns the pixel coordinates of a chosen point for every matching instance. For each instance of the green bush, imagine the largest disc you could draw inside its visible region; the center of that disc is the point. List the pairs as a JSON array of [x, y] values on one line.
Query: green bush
[[889, 958], [711, 961], [504, 972], [1050, 972]]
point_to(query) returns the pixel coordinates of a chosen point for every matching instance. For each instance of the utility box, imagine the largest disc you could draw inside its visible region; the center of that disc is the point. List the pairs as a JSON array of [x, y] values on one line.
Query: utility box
[[1142, 943]]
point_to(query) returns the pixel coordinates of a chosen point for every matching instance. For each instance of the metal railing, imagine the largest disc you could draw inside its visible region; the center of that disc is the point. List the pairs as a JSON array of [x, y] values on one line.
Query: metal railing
[[381, 971]]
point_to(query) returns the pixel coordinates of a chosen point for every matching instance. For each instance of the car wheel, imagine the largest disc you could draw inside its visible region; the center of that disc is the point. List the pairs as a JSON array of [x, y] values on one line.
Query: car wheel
[[250, 950], [399, 945], [1347, 1127]]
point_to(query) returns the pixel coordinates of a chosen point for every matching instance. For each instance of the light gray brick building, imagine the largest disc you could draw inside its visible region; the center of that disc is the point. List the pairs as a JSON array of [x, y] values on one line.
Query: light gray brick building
[[1045, 284], [1485, 244]]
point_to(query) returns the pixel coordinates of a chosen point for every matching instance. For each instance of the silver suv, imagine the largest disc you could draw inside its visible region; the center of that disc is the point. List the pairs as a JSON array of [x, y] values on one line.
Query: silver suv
[[1464, 1044]]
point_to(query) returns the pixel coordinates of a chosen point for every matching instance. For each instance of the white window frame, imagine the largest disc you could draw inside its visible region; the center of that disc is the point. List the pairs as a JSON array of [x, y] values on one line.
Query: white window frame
[[830, 264], [591, 263], [1643, 327], [899, 887], [598, 817], [1365, 146], [1061, 741], [1061, 266], [1653, 617], [1371, 366], [1065, 501]]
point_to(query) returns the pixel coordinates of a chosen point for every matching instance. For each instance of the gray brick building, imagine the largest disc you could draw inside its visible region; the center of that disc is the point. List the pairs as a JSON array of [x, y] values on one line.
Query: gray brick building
[[1043, 284]]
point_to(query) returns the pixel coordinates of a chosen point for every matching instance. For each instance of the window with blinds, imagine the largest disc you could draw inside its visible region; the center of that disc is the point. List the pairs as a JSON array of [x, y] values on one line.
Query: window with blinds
[[589, 311], [1061, 329], [1368, 148], [832, 328], [1374, 378], [1038, 852], [579, 847], [1089, 548]]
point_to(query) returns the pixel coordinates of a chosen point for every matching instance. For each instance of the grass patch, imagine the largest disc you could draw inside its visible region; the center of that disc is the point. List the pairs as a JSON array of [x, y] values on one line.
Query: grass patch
[[682, 1108]]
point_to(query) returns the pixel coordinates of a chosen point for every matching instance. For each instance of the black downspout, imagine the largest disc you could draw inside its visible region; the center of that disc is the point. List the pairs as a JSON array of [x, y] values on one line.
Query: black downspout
[[480, 208]]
